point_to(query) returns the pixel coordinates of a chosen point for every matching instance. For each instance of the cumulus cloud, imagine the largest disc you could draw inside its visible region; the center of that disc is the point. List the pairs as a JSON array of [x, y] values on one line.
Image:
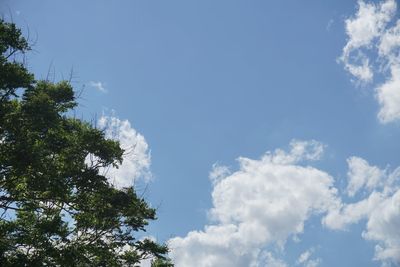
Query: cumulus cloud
[[380, 209], [253, 207], [371, 32], [98, 85], [136, 158], [266, 201]]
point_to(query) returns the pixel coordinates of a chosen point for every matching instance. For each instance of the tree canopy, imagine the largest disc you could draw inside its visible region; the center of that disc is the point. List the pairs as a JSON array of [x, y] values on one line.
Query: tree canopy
[[56, 208]]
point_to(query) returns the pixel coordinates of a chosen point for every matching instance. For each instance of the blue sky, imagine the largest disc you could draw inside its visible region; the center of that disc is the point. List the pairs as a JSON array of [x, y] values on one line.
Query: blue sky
[[203, 83]]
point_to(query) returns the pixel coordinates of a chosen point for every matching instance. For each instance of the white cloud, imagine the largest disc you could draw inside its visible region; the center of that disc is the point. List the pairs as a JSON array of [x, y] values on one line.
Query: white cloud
[[380, 209], [388, 95], [313, 263], [136, 158], [371, 32], [305, 259], [218, 172], [389, 42], [362, 71], [269, 260], [368, 24], [304, 256], [299, 151], [362, 174], [383, 226], [253, 208], [98, 85]]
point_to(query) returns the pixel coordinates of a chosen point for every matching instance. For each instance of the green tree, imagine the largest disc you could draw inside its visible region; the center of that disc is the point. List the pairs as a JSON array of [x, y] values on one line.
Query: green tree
[[55, 208], [162, 263]]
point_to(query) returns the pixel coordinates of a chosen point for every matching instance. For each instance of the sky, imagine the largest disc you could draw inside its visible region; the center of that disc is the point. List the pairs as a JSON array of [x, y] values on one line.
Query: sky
[[264, 132]]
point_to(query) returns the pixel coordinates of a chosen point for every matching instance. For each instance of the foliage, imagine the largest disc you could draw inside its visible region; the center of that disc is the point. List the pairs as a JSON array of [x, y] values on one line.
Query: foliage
[[56, 208], [162, 263]]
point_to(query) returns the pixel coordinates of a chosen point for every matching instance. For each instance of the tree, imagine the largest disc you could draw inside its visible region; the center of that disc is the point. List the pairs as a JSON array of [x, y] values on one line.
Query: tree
[[56, 208]]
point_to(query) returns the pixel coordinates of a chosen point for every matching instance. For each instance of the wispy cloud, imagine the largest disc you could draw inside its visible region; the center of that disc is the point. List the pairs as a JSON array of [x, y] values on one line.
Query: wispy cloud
[[306, 261], [362, 30], [330, 24], [373, 47], [98, 85]]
